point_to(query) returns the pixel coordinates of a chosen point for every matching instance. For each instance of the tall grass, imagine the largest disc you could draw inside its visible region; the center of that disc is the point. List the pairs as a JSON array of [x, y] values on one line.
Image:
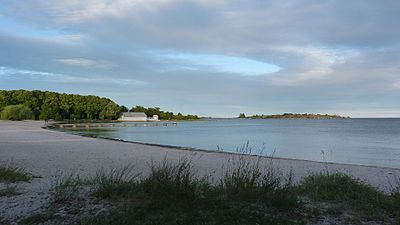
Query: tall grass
[[245, 179], [173, 194], [395, 197], [173, 182], [13, 174], [66, 188], [248, 192], [343, 188], [104, 183], [114, 182]]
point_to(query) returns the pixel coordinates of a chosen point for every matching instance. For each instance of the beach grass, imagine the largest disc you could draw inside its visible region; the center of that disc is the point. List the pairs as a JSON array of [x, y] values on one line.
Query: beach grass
[[13, 174], [173, 194], [66, 187], [247, 180], [342, 188], [395, 197], [246, 193]]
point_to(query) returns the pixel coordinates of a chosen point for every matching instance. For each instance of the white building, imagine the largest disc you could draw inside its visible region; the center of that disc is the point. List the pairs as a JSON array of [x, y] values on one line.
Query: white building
[[138, 117], [153, 119], [134, 116]]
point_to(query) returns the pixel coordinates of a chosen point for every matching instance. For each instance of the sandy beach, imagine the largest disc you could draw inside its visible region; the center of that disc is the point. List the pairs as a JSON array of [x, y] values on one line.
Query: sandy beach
[[49, 154]]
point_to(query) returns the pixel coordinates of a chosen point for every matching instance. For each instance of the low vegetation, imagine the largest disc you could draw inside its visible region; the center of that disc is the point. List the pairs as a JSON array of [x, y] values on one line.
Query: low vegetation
[[16, 112], [246, 193], [341, 188], [173, 194], [294, 116], [163, 115], [13, 174], [46, 105]]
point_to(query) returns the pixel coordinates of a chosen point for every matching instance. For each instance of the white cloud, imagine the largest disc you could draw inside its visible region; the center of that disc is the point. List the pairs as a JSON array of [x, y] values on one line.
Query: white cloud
[[215, 63], [86, 63], [317, 63], [396, 85], [328, 51], [78, 11], [11, 73]]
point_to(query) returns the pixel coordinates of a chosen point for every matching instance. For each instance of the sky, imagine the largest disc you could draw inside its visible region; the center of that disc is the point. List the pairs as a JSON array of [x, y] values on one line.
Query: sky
[[209, 57]]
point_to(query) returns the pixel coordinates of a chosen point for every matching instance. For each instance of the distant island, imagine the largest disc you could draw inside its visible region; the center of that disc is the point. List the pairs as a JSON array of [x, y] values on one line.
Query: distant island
[[294, 116]]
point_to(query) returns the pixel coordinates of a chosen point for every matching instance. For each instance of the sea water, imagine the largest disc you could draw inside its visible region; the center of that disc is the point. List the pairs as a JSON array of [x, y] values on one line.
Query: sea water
[[374, 142]]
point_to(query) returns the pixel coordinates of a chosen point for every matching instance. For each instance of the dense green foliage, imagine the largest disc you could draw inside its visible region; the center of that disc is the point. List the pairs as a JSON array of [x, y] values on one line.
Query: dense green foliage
[[45, 105], [298, 116], [163, 115], [51, 105], [16, 112], [242, 115]]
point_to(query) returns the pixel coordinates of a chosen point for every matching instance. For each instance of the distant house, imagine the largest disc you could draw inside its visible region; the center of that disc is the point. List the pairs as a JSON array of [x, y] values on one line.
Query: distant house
[[138, 117], [134, 116]]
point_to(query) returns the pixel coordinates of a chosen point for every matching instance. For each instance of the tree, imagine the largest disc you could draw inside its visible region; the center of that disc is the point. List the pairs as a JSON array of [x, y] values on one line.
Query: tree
[[242, 115], [16, 112], [3, 102], [110, 111], [123, 108], [50, 108], [163, 115], [60, 106]]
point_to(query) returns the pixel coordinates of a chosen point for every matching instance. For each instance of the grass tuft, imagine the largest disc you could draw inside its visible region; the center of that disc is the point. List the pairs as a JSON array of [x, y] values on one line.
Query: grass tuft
[[172, 194], [113, 183], [66, 188], [340, 187], [247, 193], [168, 181], [13, 174], [104, 184], [244, 179], [395, 200]]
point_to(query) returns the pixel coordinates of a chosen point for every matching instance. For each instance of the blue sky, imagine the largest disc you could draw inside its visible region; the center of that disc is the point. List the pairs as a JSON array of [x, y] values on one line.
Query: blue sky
[[212, 58]]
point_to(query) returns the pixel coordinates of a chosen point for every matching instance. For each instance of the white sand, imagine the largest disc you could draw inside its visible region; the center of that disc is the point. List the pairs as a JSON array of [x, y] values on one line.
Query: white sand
[[48, 153]]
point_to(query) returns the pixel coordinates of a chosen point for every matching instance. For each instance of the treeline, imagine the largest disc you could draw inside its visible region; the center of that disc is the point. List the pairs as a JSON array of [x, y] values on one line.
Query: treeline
[[295, 116], [45, 105], [163, 115]]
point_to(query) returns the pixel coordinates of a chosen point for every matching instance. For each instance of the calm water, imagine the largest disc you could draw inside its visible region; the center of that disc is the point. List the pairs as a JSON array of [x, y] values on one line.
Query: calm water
[[373, 142]]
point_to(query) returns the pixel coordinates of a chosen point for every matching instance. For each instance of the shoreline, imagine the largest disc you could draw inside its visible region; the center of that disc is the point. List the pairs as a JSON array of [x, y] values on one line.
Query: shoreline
[[27, 144], [221, 152], [51, 155]]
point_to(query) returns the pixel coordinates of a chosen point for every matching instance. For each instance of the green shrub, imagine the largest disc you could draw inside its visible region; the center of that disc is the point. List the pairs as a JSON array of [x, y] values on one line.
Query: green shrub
[[172, 194], [246, 180], [16, 112], [13, 174], [340, 187]]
